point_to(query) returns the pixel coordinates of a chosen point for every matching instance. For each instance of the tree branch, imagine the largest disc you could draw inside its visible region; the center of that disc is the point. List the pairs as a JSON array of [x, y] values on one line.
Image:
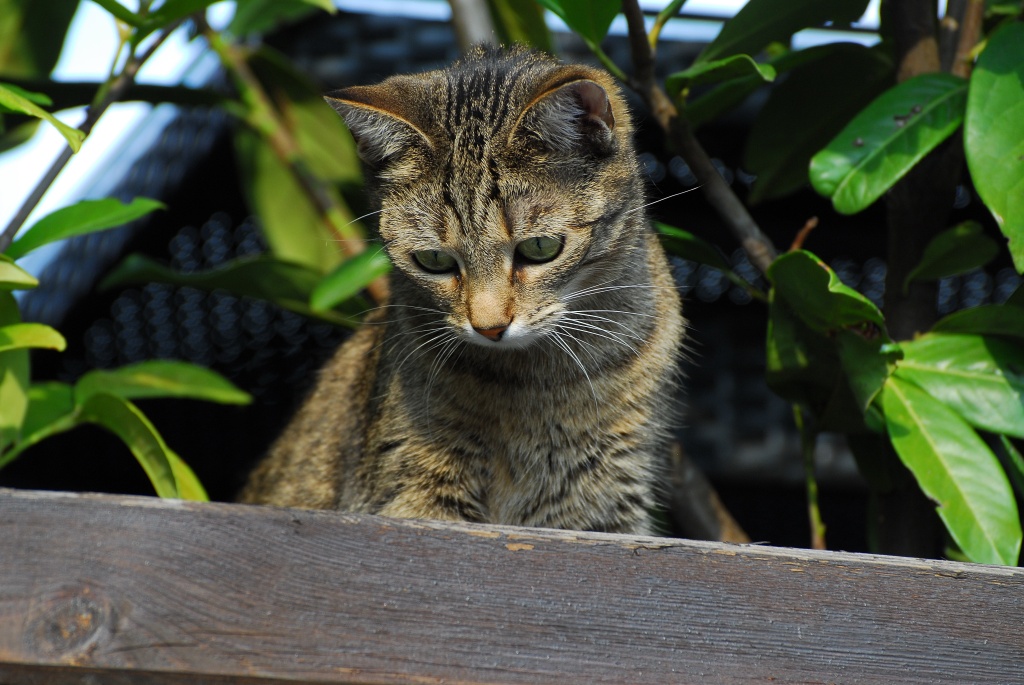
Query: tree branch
[[718, 193]]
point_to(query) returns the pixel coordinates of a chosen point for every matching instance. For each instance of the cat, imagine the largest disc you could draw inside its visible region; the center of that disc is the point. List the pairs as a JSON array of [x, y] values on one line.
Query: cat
[[523, 369]]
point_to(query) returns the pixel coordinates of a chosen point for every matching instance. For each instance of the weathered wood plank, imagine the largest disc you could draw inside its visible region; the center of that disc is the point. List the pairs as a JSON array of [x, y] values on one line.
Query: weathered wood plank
[[102, 589]]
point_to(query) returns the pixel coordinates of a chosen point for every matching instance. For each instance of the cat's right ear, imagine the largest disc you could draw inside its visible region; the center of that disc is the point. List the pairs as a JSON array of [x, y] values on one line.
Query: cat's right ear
[[380, 120]]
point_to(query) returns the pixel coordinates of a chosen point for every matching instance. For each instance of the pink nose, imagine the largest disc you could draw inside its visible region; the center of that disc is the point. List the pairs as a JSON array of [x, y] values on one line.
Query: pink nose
[[492, 333]]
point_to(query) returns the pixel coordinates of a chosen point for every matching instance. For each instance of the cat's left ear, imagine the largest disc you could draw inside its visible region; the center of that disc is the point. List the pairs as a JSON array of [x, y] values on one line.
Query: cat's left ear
[[571, 116]]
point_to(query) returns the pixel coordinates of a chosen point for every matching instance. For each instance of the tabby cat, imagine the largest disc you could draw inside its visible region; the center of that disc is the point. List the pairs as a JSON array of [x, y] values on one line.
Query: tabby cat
[[523, 370]]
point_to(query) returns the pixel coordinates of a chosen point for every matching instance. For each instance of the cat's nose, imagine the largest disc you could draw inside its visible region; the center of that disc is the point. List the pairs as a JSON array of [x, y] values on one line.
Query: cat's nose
[[492, 333]]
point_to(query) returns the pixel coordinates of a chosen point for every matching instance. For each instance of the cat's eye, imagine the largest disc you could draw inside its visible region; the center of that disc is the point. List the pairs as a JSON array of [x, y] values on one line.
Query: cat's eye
[[539, 249], [434, 261]]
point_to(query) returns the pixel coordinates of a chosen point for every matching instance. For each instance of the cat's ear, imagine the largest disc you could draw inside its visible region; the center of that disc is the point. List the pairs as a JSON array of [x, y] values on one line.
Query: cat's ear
[[381, 119], [569, 116]]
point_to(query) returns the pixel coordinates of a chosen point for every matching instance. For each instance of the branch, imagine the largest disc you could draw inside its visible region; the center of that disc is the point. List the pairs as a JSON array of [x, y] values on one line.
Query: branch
[[718, 193]]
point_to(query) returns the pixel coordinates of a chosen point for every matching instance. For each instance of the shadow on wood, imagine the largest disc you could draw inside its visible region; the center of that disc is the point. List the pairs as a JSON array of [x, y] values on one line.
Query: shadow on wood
[[104, 589]]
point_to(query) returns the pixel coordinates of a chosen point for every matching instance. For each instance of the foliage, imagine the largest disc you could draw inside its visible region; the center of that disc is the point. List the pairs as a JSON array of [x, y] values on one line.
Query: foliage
[[937, 396]]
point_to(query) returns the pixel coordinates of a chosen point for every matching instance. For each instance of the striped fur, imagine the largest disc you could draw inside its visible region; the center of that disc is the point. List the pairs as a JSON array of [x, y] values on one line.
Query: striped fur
[[564, 420]]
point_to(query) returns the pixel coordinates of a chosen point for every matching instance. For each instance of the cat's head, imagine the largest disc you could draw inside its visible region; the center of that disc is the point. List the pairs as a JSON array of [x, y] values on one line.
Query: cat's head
[[508, 186]]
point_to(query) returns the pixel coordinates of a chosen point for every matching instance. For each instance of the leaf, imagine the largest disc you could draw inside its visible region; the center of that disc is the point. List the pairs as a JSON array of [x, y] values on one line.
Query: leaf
[[761, 22], [291, 223], [48, 404], [993, 143], [1016, 465], [957, 470], [18, 336], [806, 110], [12, 101], [887, 139], [13, 277], [264, 277], [816, 295], [520, 21], [86, 216], [980, 378], [260, 16], [189, 486], [736, 66], [867, 363], [963, 248], [350, 278], [801, 364], [32, 34], [161, 378], [688, 246], [14, 377], [987, 319], [590, 19], [123, 419]]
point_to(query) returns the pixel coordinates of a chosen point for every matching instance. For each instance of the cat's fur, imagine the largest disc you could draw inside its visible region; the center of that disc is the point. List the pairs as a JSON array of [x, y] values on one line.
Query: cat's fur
[[563, 420]]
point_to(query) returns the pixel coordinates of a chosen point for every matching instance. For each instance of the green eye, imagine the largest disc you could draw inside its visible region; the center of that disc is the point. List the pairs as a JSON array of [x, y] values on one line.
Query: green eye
[[434, 261], [540, 249]]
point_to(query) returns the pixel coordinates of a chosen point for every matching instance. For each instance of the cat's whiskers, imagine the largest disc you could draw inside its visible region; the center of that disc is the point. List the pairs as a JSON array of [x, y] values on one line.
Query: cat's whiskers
[[584, 327], [662, 199], [556, 337]]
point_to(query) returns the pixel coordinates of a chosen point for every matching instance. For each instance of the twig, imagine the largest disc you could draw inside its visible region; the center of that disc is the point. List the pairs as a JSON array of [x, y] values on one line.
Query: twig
[[807, 441], [718, 193], [970, 34], [801, 236], [105, 97]]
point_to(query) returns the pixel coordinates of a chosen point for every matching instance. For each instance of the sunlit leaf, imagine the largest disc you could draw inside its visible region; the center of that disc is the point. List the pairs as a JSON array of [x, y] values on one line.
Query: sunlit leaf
[[993, 143], [350, 278], [17, 336], [13, 102], [889, 136], [867, 363], [957, 470], [14, 377], [815, 294], [963, 248], [981, 378], [13, 277], [189, 486], [161, 378], [123, 419], [48, 403], [86, 216]]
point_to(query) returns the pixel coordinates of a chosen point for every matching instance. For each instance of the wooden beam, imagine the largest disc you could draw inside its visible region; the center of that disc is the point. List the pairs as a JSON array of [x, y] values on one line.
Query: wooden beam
[[104, 589]]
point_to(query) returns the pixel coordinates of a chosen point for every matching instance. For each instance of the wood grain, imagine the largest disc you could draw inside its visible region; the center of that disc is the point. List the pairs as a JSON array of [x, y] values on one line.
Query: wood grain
[[104, 589]]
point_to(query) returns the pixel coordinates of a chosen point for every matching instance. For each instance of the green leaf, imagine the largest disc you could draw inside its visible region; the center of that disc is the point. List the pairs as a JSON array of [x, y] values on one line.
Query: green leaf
[[520, 21], [32, 34], [980, 378], [260, 16], [13, 102], [350, 278], [887, 139], [688, 246], [987, 319], [736, 66], [264, 277], [189, 486], [18, 336], [13, 277], [993, 143], [291, 223], [816, 295], [590, 19], [123, 419], [806, 110], [957, 470], [14, 377], [48, 404], [761, 22], [161, 378], [963, 248], [86, 216], [801, 364], [867, 363]]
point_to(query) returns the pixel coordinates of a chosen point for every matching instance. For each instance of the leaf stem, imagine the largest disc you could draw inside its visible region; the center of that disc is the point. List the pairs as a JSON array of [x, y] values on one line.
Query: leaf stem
[[663, 16], [807, 441]]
